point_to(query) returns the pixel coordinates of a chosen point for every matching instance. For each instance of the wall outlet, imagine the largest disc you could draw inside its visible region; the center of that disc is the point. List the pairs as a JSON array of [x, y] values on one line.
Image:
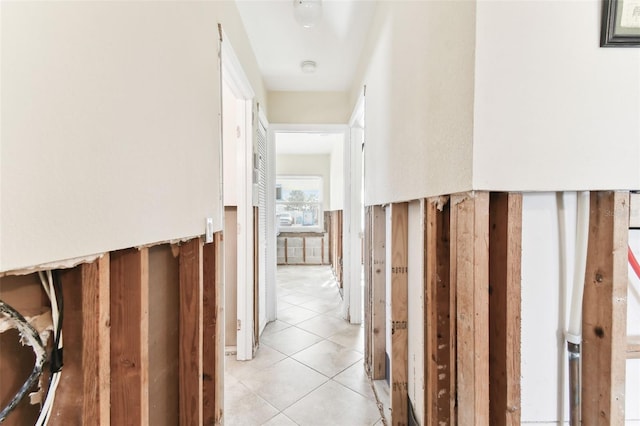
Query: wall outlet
[[208, 233]]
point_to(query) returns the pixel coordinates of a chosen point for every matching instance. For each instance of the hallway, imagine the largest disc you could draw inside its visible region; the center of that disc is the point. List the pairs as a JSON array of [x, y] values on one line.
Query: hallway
[[309, 367]]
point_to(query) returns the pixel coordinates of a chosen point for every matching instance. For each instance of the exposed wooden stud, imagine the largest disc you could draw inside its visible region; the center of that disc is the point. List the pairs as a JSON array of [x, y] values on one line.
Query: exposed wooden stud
[[439, 317], [191, 333], [378, 293], [604, 318], [399, 301], [209, 325], [322, 251], [505, 247], [219, 332], [367, 289], [129, 336], [96, 341], [470, 277]]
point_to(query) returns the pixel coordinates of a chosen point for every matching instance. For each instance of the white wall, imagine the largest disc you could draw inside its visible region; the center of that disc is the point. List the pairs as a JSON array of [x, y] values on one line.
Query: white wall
[[230, 140], [337, 177], [553, 110], [312, 165], [418, 69], [110, 124], [544, 307]]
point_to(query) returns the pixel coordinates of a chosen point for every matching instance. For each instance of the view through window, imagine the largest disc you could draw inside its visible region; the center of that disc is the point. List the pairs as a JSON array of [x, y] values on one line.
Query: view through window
[[299, 203]]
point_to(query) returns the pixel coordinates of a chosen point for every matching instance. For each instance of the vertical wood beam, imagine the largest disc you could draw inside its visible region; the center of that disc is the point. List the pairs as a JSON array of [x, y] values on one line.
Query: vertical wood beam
[[399, 302], [505, 248], [439, 329], [96, 341], [368, 299], [470, 277], [129, 271], [191, 333], [378, 293], [209, 324], [219, 350], [604, 309]]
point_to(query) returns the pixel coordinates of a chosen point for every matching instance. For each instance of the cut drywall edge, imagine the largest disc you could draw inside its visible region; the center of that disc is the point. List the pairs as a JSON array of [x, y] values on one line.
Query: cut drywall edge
[[60, 264]]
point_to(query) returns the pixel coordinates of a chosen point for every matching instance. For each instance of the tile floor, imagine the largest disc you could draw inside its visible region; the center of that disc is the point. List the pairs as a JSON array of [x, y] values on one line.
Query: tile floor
[[309, 367]]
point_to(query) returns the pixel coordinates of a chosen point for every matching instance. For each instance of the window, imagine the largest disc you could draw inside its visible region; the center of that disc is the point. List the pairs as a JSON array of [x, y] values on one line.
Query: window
[[299, 203]]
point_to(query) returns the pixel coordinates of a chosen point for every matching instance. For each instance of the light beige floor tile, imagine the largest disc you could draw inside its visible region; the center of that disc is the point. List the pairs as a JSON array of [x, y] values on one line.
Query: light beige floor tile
[[334, 404], [356, 379], [328, 358], [295, 314], [280, 420], [274, 327], [290, 340], [284, 383], [324, 325], [352, 338], [243, 407], [295, 298], [322, 305]]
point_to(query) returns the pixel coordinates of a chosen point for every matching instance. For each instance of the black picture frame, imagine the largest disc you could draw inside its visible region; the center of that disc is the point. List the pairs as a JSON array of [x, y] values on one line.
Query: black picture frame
[[613, 34]]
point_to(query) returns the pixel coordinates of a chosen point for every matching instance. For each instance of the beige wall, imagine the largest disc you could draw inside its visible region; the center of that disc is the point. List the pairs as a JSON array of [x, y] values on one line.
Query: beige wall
[[418, 69], [110, 124], [309, 107], [553, 110]]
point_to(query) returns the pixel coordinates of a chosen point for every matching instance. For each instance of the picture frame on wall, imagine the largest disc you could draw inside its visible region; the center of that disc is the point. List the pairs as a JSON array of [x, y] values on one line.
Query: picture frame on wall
[[620, 23]]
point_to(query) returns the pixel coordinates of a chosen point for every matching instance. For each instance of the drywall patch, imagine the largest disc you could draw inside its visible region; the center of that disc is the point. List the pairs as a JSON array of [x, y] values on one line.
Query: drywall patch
[[62, 264]]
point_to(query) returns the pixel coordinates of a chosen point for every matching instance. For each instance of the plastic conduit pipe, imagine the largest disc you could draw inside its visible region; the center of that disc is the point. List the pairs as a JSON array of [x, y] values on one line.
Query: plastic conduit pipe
[[574, 329]]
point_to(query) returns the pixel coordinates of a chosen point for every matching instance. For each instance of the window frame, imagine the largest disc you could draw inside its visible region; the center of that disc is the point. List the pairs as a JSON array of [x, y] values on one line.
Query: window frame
[[319, 228]]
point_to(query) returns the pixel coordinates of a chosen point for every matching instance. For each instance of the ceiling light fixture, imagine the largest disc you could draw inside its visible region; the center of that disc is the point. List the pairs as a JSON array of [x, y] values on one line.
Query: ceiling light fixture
[[308, 67], [307, 12]]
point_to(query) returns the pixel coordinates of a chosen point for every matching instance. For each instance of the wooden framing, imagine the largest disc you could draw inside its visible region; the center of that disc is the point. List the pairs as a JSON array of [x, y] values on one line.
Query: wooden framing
[[367, 289], [399, 300], [210, 323], [439, 330], [256, 278], [219, 330], [378, 292], [129, 305], [191, 333], [469, 277], [604, 319], [96, 341], [505, 246]]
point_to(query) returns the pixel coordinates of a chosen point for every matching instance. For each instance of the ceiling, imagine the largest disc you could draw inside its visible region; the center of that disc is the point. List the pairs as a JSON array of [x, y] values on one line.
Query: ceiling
[[307, 143], [281, 44]]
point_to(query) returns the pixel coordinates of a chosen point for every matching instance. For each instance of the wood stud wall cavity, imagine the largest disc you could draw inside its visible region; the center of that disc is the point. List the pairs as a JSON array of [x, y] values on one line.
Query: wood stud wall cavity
[[604, 319]]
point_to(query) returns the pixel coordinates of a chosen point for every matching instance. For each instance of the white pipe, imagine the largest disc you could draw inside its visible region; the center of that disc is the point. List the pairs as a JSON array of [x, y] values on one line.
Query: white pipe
[[574, 329]]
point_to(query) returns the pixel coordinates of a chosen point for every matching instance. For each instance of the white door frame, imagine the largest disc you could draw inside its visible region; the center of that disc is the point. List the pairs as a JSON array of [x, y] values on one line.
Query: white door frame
[[352, 223], [234, 75], [274, 128]]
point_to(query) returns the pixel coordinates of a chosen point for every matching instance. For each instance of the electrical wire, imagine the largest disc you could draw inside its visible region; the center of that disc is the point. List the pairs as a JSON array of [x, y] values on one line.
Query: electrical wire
[[32, 338], [51, 284]]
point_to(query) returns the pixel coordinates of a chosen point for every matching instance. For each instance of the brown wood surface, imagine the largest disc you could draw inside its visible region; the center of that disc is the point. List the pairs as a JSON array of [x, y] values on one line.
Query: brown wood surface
[[219, 350], [191, 333], [209, 324], [378, 293], [439, 318], [164, 318], [470, 277], [368, 295], [96, 341], [399, 317], [505, 247], [129, 307], [604, 312]]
